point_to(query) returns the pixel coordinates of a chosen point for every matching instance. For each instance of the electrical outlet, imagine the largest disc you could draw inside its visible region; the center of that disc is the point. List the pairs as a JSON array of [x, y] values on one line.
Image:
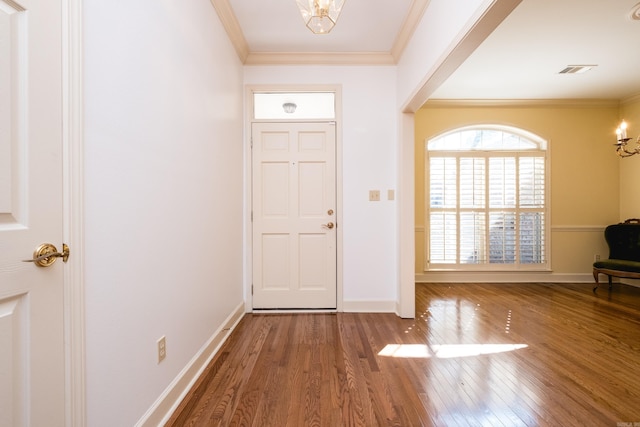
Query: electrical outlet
[[596, 258], [391, 195], [374, 195], [162, 348]]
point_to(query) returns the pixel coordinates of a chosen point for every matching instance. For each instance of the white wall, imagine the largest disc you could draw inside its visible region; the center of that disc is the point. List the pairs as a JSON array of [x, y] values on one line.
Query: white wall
[[163, 202], [450, 30], [444, 23], [369, 141]]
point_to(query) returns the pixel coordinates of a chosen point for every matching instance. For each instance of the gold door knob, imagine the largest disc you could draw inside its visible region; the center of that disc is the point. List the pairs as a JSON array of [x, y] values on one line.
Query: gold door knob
[[329, 225], [46, 254]]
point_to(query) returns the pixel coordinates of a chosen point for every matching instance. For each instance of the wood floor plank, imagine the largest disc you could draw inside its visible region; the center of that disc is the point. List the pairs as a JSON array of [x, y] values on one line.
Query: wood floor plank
[[536, 354]]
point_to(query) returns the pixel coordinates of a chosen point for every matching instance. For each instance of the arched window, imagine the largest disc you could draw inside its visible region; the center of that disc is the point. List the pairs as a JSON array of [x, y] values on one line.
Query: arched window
[[486, 199]]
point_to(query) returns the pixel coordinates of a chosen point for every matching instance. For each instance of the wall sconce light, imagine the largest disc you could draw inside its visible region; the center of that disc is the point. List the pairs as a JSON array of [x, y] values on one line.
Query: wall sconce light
[[289, 107], [622, 140], [320, 16]]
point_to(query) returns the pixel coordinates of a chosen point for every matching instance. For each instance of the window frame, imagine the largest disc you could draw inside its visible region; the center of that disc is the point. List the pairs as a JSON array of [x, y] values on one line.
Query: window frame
[[540, 152]]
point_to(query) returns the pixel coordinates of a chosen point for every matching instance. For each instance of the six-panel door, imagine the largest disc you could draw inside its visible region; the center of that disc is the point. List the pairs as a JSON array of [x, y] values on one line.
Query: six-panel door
[[294, 218]]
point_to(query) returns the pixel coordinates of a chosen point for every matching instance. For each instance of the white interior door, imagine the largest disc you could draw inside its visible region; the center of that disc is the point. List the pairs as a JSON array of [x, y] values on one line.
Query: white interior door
[[294, 218], [32, 378]]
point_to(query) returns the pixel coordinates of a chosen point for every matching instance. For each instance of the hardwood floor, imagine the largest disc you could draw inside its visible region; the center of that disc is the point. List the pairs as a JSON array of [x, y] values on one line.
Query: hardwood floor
[[475, 355]]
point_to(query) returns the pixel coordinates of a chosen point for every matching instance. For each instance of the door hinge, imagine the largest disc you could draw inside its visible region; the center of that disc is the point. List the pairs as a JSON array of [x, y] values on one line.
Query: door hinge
[[251, 216], [252, 289]]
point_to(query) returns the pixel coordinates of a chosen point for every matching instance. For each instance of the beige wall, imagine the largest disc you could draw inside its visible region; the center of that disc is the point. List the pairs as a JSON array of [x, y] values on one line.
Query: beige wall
[[630, 167], [584, 170]]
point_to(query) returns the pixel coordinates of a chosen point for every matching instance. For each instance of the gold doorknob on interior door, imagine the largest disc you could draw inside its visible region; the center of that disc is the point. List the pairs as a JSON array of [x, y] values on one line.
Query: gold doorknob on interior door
[[328, 225], [46, 254]]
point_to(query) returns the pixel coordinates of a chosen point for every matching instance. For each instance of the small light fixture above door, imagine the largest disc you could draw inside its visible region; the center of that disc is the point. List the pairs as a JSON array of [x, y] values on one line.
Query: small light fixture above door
[[320, 16], [289, 107]]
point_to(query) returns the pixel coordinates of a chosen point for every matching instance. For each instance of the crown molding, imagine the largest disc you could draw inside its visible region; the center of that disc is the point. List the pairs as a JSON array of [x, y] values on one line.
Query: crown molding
[[319, 58], [416, 11], [630, 100], [232, 27], [522, 103]]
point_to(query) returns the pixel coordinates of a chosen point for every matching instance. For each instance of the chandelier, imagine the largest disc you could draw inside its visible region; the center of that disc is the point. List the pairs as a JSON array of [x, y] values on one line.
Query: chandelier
[[622, 140], [320, 16]]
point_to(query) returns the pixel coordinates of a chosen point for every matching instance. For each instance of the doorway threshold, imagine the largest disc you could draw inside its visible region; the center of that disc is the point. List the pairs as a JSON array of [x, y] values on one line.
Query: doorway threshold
[[293, 310]]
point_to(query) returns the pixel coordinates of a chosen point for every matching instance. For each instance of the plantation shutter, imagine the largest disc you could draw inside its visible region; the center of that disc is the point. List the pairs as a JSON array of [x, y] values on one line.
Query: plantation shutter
[[486, 207]]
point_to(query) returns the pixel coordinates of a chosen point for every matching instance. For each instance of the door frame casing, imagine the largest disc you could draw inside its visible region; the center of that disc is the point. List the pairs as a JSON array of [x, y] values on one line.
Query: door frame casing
[[248, 176], [73, 212]]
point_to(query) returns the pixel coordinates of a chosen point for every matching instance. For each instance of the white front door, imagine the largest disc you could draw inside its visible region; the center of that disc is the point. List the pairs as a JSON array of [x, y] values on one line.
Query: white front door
[[32, 382], [294, 218]]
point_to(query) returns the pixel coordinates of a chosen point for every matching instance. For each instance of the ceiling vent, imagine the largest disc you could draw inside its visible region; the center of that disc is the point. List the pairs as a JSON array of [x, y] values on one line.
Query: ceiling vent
[[576, 69]]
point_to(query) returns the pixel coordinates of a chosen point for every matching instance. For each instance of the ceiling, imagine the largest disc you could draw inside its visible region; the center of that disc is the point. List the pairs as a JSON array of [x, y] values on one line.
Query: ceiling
[[276, 26], [521, 59]]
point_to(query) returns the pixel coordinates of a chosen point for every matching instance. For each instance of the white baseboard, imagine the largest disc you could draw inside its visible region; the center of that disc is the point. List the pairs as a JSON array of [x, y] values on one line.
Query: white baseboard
[[503, 277], [167, 403], [369, 306]]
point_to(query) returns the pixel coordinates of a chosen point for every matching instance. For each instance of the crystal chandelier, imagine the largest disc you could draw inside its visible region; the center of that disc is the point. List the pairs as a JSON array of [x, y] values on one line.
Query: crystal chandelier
[[622, 140], [320, 16]]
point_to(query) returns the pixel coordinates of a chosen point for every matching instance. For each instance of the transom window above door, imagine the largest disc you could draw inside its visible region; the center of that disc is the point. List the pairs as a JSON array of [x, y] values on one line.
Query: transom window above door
[[487, 200], [294, 105]]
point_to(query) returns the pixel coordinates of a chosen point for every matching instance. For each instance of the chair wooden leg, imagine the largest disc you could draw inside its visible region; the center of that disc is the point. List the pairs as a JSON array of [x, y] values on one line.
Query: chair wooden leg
[[595, 276], [610, 282]]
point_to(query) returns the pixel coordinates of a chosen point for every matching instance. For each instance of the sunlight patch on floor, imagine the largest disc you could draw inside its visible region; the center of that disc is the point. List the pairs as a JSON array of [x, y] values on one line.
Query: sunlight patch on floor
[[446, 351]]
